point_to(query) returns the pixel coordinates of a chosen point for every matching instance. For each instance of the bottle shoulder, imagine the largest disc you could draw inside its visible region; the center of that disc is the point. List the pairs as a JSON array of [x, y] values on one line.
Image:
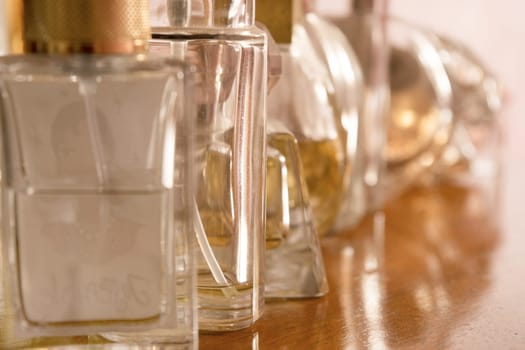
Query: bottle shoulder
[[245, 34], [78, 64]]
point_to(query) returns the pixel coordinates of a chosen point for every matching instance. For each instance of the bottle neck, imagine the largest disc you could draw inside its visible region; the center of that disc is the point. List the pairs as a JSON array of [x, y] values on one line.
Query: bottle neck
[[210, 13], [363, 5], [367, 6]]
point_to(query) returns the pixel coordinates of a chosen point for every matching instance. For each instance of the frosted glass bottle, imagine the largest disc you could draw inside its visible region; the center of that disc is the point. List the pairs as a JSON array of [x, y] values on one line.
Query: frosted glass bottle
[[96, 180]]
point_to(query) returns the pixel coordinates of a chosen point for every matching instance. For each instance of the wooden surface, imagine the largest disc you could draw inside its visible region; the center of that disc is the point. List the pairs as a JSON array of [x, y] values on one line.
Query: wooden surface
[[442, 275]]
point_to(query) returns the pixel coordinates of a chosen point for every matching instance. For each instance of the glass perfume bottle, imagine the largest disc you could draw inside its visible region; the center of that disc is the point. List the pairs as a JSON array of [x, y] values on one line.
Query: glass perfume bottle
[[421, 119], [294, 267], [229, 55], [444, 108], [346, 76], [412, 98], [303, 102], [96, 179], [367, 36], [473, 154]]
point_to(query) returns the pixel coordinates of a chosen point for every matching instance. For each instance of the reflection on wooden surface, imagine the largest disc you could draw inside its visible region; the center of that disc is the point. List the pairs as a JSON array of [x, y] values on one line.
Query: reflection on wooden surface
[[409, 286]]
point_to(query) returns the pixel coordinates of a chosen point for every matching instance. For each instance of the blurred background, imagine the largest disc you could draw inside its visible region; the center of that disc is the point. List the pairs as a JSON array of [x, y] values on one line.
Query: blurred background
[[495, 30]]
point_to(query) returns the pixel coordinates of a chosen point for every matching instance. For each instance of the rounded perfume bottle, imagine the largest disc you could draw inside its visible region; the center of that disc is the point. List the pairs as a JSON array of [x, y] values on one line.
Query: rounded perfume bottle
[[347, 80], [367, 36], [412, 99], [304, 101], [473, 154], [421, 119]]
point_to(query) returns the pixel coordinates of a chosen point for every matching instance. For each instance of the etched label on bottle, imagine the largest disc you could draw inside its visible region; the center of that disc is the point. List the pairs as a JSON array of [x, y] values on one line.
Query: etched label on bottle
[[90, 207], [89, 257]]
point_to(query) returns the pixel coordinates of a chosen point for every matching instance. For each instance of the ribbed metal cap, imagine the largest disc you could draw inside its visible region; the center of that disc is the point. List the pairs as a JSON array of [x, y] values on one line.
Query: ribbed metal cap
[[277, 16], [86, 26], [11, 30]]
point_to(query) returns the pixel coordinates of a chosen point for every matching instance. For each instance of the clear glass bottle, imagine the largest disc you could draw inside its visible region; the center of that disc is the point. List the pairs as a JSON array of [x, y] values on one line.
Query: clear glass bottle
[[294, 264], [443, 108], [303, 101], [412, 97], [346, 76], [421, 119], [96, 179], [474, 152], [229, 55], [367, 36]]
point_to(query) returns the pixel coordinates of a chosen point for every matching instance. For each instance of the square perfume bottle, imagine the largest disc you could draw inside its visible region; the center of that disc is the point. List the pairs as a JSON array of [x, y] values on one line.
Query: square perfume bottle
[[228, 53], [96, 179]]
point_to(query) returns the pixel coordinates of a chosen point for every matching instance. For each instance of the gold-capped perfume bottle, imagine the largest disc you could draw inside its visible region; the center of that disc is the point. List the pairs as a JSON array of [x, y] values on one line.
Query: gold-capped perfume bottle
[[228, 54], [294, 267], [303, 102], [96, 180]]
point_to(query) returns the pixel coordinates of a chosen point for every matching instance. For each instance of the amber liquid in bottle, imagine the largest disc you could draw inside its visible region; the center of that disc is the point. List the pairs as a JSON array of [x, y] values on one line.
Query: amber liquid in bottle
[[321, 162]]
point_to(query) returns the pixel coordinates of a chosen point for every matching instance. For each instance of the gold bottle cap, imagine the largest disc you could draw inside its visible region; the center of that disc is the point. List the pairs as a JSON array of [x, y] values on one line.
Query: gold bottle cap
[[86, 26], [277, 16], [13, 25]]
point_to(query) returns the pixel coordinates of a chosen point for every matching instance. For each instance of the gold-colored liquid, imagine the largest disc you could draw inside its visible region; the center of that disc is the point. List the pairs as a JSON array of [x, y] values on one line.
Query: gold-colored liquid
[[294, 184], [209, 286], [214, 197], [323, 171], [276, 209]]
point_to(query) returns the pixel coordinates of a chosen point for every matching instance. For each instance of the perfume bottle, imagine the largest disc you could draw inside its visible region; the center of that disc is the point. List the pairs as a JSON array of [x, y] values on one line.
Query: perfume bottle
[[294, 267], [367, 35], [303, 101], [444, 106], [346, 98], [412, 98], [421, 118], [473, 152], [228, 53], [96, 179]]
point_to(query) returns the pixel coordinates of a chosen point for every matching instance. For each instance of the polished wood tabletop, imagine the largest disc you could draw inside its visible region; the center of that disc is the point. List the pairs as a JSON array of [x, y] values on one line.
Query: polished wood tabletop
[[436, 270]]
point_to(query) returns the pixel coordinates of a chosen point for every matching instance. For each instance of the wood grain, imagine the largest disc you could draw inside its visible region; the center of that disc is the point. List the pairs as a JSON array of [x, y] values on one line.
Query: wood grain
[[441, 275]]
